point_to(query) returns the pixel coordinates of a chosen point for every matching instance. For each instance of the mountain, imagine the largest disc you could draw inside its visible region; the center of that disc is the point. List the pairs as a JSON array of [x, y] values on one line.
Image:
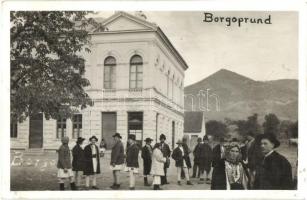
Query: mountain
[[234, 96]]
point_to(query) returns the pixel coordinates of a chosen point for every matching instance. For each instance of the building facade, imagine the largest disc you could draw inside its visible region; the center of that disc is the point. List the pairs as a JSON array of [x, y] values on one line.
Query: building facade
[[137, 87], [194, 126]]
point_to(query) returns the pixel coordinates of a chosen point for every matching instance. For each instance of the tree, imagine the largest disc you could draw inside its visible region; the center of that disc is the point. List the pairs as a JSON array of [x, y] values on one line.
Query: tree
[[216, 128], [249, 125], [271, 124], [294, 130], [46, 64]]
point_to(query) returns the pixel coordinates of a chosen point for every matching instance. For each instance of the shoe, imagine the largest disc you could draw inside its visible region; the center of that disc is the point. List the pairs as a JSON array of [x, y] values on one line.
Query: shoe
[[73, 186], [146, 182], [178, 182], [189, 183], [115, 186], [95, 187], [131, 188], [167, 183], [62, 186], [87, 188], [193, 176]]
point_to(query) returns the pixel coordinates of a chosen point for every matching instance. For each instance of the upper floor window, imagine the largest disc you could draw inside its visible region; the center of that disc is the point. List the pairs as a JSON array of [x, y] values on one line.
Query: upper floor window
[[109, 75], [136, 72]]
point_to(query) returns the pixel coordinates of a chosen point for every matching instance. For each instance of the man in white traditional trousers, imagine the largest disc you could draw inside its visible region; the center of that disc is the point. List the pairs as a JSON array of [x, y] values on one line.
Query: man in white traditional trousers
[[92, 163]]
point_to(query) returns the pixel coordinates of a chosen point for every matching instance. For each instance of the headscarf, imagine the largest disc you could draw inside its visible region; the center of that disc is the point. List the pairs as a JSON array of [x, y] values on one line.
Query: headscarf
[[229, 157], [65, 140], [233, 167]]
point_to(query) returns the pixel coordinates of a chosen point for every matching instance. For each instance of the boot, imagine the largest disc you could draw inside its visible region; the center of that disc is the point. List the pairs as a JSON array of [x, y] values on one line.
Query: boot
[[189, 183], [178, 182], [155, 187], [73, 186], [146, 181], [62, 187]]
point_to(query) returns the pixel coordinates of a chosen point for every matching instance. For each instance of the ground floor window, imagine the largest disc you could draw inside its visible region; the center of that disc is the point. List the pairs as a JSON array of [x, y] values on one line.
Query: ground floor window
[[77, 125], [13, 129], [135, 126], [61, 128]]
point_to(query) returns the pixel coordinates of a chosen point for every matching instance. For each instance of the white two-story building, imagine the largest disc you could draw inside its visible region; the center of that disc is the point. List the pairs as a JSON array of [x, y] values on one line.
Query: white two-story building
[[137, 86]]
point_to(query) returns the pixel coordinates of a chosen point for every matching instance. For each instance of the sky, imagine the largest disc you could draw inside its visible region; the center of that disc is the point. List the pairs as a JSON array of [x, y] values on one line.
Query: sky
[[259, 51]]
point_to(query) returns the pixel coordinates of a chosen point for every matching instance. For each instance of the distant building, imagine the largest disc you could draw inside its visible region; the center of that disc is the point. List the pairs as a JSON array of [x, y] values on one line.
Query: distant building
[[137, 86], [194, 126]]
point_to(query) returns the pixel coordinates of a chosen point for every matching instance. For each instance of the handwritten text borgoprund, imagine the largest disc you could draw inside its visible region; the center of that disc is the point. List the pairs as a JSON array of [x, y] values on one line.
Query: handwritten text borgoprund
[[238, 21]]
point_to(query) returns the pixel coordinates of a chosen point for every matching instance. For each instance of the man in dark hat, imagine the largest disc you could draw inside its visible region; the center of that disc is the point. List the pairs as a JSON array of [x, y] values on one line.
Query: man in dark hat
[[78, 160], [132, 160], [117, 159], [275, 172], [92, 162], [196, 154], [181, 159], [218, 152], [205, 161], [253, 156], [146, 155], [166, 151]]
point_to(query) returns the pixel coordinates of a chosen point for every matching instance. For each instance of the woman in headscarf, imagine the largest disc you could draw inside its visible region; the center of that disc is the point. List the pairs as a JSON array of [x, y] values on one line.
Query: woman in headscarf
[[64, 165], [229, 174], [157, 166]]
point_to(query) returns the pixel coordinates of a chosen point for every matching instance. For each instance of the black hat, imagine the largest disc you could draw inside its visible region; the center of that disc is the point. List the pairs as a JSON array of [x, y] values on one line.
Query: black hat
[[131, 136], [222, 139], [117, 135], [93, 137], [206, 138], [80, 139], [199, 139], [271, 138], [162, 136], [148, 139]]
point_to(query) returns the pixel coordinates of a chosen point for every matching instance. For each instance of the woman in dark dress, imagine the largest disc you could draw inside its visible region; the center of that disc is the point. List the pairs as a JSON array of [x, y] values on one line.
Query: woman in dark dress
[[228, 173], [78, 160]]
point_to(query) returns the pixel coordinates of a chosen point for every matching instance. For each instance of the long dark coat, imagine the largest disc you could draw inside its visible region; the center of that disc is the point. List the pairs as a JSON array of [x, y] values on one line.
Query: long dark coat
[[117, 154], [132, 156], [196, 153], [178, 157], [78, 158], [88, 167], [216, 155], [205, 157], [146, 155], [166, 151], [187, 152], [219, 177], [275, 173]]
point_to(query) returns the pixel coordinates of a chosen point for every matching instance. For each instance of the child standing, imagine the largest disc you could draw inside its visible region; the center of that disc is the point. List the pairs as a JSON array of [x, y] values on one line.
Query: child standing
[[64, 165]]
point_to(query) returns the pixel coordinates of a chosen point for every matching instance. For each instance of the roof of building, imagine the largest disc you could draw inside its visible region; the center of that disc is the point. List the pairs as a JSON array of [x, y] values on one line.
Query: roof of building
[[193, 122], [151, 26]]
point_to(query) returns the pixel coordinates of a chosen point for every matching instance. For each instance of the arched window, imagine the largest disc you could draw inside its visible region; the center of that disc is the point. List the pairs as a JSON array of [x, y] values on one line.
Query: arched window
[[109, 74], [136, 72]]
